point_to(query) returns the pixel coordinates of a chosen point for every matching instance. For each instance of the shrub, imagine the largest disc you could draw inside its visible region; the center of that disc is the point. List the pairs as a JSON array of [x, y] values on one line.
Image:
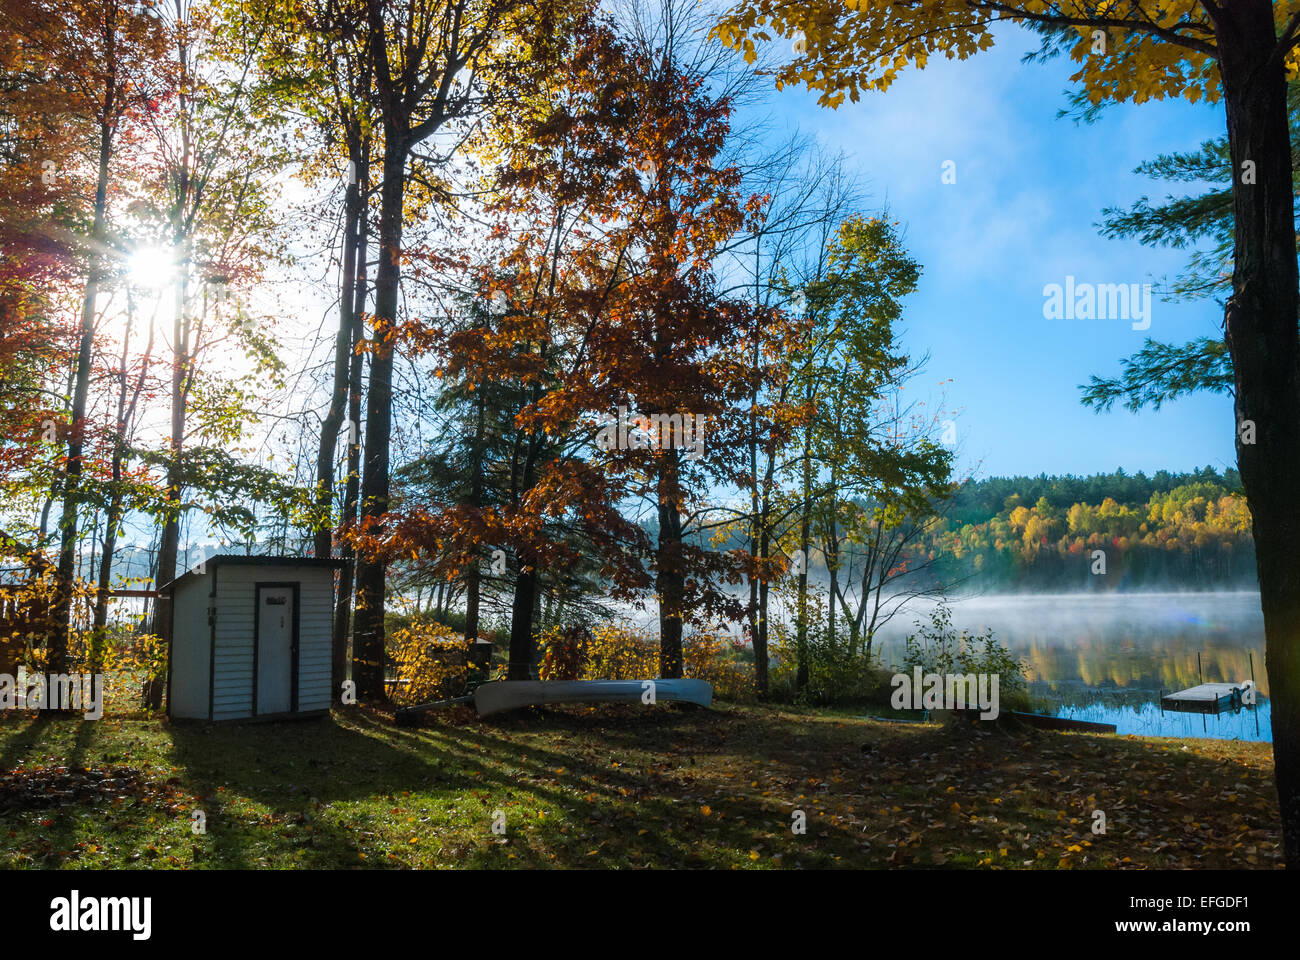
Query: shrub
[[610, 651], [937, 647], [618, 653], [433, 658], [712, 657], [840, 671], [564, 653], [126, 660], [836, 672]]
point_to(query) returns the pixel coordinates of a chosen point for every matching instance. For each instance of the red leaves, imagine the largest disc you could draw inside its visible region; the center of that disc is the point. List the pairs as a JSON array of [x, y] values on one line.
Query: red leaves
[[34, 788]]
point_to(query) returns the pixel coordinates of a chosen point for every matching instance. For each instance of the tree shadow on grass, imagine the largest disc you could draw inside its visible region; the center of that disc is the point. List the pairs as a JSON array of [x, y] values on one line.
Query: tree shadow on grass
[[874, 795], [66, 738], [21, 739], [293, 769], [625, 786], [48, 728], [614, 811]]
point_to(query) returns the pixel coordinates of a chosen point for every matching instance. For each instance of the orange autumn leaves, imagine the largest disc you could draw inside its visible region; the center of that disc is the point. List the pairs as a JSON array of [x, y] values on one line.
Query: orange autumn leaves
[[607, 201]]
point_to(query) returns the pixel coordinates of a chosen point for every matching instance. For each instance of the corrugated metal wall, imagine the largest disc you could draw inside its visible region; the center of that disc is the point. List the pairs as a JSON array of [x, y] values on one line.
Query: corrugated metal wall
[[232, 692]]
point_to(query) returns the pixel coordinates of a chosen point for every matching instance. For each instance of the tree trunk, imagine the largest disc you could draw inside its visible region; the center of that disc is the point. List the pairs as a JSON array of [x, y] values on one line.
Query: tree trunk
[[831, 550], [764, 587], [368, 642], [62, 619], [805, 537], [351, 493], [1260, 325], [169, 542], [760, 634], [760, 665], [473, 575], [116, 510], [99, 621], [670, 586], [521, 624], [329, 429]]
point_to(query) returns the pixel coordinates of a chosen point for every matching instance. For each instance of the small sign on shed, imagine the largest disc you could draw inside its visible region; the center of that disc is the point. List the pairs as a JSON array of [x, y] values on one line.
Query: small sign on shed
[[251, 637]]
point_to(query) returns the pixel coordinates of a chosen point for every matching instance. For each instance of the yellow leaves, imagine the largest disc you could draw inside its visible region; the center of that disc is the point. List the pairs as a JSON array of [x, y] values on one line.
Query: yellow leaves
[[613, 652], [753, 854], [432, 657], [856, 44], [706, 810]]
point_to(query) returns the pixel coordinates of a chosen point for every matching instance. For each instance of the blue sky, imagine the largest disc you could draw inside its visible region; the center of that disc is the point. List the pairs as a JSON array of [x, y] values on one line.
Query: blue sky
[[1030, 189]]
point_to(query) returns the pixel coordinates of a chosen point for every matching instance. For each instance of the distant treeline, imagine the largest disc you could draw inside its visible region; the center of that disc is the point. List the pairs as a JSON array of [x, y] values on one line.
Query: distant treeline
[[1168, 530]]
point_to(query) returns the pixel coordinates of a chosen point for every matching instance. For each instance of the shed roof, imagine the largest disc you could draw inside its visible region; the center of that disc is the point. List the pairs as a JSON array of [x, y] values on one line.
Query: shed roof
[[239, 559]]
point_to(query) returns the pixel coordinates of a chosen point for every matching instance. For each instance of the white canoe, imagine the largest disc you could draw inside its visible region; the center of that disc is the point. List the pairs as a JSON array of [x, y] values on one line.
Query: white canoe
[[513, 694]]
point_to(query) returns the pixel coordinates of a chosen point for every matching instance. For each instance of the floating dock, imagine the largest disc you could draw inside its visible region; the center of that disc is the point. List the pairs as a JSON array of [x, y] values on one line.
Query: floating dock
[[1205, 698]]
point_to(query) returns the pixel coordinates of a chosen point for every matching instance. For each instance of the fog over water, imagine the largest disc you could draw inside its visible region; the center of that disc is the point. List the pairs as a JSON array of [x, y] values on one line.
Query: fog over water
[[1108, 656]]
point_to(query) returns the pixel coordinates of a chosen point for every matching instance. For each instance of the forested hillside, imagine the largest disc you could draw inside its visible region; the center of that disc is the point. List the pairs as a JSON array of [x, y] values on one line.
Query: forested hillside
[[1167, 531]]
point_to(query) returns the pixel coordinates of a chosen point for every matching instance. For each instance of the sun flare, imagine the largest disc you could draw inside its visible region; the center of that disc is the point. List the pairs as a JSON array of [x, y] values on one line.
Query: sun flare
[[151, 267]]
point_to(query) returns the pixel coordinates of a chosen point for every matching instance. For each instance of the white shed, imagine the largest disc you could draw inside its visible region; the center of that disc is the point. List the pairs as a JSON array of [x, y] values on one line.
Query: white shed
[[251, 637]]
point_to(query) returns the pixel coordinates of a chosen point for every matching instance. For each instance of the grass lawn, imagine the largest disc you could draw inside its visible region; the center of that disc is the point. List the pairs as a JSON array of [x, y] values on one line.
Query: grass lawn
[[624, 786]]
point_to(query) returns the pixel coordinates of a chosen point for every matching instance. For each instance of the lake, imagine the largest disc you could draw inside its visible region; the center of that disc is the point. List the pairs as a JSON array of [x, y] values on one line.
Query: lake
[[1107, 657]]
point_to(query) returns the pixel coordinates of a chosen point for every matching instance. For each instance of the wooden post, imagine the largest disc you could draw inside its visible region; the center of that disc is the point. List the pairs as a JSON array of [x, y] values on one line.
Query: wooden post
[[1254, 707]]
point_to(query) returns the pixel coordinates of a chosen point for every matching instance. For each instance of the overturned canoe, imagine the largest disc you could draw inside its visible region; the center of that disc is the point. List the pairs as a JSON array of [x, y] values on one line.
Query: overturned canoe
[[1060, 723], [513, 694]]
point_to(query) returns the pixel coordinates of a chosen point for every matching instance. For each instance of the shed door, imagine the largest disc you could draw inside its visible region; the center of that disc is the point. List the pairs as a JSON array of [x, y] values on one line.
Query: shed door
[[275, 649]]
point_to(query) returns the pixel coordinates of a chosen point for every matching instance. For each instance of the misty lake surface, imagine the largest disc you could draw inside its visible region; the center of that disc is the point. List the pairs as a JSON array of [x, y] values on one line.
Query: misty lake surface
[[1107, 657]]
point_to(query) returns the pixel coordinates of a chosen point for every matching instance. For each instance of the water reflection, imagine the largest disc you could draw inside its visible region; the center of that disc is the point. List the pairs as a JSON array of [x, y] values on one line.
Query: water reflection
[[1107, 657]]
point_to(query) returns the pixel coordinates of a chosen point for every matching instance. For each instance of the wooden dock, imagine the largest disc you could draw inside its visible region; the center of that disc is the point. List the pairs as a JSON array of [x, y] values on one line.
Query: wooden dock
[[1204, 698]]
